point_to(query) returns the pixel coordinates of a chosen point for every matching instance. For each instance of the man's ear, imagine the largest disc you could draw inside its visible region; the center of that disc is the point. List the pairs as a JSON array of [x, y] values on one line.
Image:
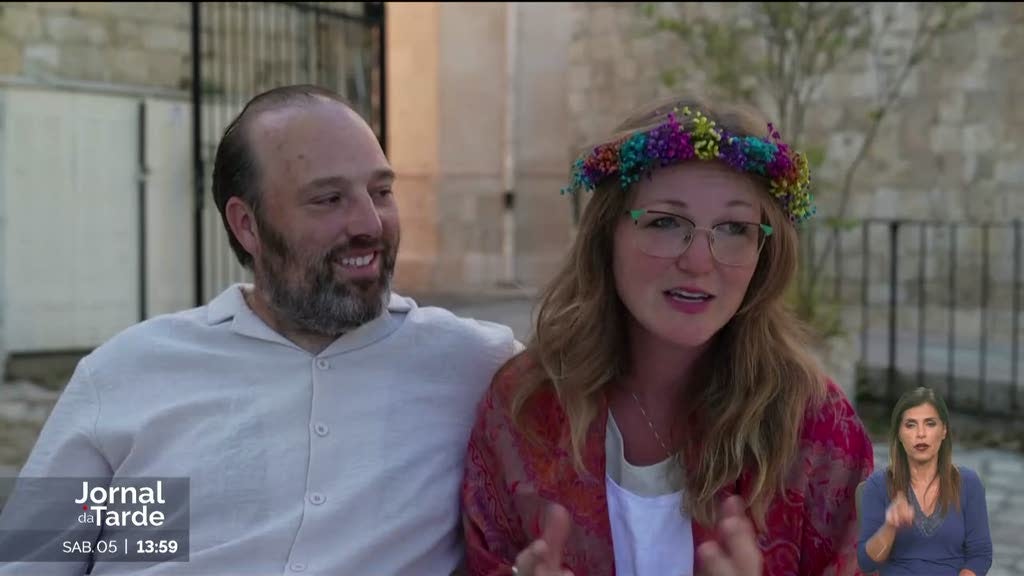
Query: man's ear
[[243, 225]]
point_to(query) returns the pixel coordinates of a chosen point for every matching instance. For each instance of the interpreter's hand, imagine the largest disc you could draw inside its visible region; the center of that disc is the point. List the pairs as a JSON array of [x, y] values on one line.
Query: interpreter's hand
[[899, 514], [543, 557], [734, 550]]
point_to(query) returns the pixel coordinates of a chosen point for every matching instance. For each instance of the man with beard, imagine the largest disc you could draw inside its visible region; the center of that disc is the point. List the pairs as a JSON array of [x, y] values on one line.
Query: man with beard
[[321, 419]]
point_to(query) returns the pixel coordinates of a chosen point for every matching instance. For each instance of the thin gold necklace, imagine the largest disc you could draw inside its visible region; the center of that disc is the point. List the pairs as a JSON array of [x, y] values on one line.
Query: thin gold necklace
[[657, 436]]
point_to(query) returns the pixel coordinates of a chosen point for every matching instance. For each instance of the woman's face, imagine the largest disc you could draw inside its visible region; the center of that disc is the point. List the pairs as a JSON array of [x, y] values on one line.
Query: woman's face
[[677, 286], [921, 433]]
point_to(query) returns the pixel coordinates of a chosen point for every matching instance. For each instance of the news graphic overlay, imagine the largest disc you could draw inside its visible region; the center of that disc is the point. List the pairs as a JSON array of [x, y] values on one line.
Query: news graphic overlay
[[96, 519]]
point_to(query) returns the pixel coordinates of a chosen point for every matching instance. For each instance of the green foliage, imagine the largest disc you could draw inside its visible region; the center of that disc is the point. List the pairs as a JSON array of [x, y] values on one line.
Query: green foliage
[[815, 156], [812, 305]]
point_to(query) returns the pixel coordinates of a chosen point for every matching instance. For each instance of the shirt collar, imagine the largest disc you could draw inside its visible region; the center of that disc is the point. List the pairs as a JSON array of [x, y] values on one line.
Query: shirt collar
[[227, 304], [231, 305]]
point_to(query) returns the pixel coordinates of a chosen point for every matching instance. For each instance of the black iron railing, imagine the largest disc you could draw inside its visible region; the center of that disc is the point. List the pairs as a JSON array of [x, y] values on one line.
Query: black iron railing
[[243, 48], [936, 303]]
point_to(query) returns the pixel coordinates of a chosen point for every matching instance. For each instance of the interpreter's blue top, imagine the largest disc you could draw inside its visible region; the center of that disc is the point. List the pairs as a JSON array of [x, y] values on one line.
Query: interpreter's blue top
[[934, 545]]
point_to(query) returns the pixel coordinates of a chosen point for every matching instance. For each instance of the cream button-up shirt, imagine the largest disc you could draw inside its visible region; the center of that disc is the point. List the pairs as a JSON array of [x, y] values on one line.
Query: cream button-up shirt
[[348, 462]]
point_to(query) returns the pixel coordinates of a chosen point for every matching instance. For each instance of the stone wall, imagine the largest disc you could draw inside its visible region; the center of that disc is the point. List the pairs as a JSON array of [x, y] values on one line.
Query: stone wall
[[477, 108], [149, 44], [952, 150], [140, 43]]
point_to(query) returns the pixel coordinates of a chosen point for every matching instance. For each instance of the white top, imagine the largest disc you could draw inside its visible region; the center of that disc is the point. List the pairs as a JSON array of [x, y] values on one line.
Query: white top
[[650, 533], [346, 462]]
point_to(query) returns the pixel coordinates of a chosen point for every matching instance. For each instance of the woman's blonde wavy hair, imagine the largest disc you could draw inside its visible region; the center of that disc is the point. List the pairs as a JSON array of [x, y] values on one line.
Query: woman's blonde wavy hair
[[758, 375]]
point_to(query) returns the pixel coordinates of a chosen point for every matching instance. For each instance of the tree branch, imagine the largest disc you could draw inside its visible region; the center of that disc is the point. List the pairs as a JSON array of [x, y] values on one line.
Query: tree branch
[[924, 39]]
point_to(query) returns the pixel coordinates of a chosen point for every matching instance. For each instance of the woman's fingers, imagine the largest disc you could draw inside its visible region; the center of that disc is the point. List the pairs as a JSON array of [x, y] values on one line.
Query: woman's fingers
[[906, 512], [556, 533], [733, 507], [531, 558], [735, 552], [899, 513], [741, 545], [543, 557], [714, 562]]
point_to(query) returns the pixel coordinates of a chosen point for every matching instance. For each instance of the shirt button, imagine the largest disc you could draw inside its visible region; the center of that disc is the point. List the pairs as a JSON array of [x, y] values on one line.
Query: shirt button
[[321, 429], [298, 567], [317, 498], [323, 364]]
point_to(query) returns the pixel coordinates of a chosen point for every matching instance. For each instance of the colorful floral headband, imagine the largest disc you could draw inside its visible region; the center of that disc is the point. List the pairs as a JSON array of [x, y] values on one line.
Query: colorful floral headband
[[670, 143]]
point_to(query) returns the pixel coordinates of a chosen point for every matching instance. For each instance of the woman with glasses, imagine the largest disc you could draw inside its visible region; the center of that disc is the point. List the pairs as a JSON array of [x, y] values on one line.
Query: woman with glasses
[[922, 514], [667, 417]]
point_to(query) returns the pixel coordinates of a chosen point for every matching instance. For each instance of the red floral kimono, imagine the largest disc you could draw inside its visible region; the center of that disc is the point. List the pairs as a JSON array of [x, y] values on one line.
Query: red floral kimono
[[510, 480]]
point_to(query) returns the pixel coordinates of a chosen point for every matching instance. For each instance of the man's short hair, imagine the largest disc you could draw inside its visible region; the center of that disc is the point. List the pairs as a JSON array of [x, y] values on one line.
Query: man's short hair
[[235, 170]]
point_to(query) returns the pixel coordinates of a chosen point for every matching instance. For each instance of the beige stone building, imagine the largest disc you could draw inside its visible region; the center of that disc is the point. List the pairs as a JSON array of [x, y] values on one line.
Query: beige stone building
[[506, 93], [559, 75], [487, 103]]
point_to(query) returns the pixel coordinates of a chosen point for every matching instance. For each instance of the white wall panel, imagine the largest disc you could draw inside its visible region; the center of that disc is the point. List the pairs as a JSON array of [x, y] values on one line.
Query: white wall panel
[[170, 201], [70, 244]]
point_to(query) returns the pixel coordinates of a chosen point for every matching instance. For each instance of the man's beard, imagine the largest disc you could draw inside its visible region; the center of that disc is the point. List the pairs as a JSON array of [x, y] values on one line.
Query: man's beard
[[304, 291]]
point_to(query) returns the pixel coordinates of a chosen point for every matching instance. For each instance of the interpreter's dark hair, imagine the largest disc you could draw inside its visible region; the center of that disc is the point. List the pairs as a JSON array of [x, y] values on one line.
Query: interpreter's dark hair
[[898, 476]]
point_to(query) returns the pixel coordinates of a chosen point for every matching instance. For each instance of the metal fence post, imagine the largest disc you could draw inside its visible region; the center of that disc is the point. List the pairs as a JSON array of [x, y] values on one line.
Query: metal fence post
[[894, 231]]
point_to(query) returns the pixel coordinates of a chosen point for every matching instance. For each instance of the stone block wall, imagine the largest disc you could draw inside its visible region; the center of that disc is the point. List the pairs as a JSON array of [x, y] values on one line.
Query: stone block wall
[[129, 43], [951, 150]]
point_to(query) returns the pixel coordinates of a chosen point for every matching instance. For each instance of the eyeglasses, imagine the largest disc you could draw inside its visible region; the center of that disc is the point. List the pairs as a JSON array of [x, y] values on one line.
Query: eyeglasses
[[667, 235]]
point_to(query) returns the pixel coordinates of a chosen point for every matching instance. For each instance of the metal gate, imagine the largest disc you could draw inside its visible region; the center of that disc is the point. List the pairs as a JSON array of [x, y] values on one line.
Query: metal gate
[[243, 48]]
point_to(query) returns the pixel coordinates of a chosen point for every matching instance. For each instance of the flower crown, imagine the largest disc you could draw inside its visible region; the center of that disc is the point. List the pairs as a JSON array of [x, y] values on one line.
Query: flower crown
[[670, 143]]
